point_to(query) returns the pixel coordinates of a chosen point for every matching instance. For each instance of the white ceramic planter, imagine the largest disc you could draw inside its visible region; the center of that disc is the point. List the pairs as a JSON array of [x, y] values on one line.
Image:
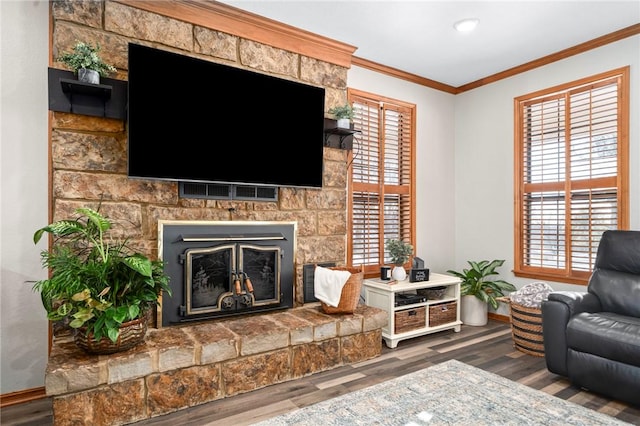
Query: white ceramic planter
[[398, 273], [473, 311], [344, 123]]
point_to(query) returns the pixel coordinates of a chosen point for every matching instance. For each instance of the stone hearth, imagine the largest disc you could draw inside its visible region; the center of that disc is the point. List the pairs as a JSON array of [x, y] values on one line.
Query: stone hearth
[[184, 366]]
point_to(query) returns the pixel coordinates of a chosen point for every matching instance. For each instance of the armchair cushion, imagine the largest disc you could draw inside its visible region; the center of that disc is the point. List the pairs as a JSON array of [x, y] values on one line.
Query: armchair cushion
[[617, 291], [612, 336], [616, 277]]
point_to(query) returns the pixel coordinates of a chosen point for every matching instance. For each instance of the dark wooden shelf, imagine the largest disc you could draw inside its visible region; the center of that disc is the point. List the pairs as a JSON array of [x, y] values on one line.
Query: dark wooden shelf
[[344, 139], [103, 91], [67, 94]]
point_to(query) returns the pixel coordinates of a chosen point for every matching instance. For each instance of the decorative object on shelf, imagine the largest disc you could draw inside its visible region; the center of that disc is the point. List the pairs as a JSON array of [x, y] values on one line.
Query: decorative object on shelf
[[399, 252], [344, 114], [432, 293], [418, 272], [97, 283], [86, 63], [398, 273], [385, 273], [478, 290]]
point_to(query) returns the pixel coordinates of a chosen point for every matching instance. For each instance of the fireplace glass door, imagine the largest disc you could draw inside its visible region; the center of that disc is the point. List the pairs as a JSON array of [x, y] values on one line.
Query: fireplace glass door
[[231, 277]]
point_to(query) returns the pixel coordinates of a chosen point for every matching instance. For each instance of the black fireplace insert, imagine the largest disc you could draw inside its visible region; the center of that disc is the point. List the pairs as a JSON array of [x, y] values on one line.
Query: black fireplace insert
[[220, 269]]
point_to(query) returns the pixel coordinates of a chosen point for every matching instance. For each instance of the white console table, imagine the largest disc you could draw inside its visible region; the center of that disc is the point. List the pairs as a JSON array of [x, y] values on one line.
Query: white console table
[[382, 294]]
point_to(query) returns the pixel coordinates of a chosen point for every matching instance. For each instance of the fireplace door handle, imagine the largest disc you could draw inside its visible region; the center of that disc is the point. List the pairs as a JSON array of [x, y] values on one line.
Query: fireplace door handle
[[236, 283], [247, 283]]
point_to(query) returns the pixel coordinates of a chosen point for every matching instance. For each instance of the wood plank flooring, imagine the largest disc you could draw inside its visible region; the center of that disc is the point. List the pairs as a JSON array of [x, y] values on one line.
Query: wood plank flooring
[[489, 347]]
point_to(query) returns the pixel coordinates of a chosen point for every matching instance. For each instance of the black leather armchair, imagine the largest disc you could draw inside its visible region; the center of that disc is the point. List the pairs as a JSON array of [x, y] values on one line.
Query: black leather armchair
[[593, 337]]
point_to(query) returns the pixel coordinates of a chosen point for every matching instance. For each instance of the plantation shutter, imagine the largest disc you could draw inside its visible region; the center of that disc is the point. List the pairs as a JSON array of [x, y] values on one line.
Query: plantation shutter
[[381, 187], [571, 177]]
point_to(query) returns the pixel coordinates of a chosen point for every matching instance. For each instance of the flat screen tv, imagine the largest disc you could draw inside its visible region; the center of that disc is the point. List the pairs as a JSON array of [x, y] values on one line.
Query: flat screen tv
[[192, 120]]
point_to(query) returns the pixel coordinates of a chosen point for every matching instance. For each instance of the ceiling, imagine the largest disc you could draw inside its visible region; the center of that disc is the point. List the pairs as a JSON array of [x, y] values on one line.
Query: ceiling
[[418, 37]]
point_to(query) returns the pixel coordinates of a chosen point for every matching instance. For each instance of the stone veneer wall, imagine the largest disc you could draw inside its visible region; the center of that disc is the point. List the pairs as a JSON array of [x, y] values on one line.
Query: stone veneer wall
[[88, 154]]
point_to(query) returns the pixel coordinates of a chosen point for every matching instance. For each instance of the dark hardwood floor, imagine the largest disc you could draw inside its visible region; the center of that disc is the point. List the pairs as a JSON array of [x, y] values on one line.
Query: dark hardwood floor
[[489, 347]]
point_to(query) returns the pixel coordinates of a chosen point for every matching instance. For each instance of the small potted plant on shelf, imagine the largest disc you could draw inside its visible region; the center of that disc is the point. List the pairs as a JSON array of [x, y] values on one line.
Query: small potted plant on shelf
[[399, 252], [101, 288], [85, 62], [479, 288], [344, 114]]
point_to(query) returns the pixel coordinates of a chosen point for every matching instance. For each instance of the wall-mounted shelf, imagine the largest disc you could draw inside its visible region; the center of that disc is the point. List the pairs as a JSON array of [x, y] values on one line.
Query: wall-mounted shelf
[[102, 91], [338, 137], [67, 94]]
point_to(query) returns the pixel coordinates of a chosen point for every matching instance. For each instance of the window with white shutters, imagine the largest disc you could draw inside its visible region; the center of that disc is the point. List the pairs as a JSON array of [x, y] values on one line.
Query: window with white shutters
[[381, 187], [571, 175]]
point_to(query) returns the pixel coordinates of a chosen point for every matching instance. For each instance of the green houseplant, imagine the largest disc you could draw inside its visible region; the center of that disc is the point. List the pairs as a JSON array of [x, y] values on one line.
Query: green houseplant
[[399, 252], [479, 288], [344, 114], [96, 284], [478, 281], [85, 57]]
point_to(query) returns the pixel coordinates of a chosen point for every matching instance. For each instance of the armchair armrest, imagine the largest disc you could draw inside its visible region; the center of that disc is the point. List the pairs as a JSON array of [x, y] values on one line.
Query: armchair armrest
[[576, 301], [557, 310]]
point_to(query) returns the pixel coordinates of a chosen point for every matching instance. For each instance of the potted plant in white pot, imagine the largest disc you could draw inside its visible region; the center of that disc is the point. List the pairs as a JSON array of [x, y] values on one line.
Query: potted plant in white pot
[[85, 62], [479, 289], [399, 252], [104, 290], [344, 114]]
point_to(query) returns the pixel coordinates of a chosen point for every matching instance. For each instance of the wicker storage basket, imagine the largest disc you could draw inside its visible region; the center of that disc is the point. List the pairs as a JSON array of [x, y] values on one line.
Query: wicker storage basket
[[350, 293], [409, 319], [526, 328], [442, 313]]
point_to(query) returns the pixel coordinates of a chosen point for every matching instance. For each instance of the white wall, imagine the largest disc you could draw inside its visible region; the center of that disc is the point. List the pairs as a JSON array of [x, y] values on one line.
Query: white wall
[[434, 160], [484, 154], [24, 49]]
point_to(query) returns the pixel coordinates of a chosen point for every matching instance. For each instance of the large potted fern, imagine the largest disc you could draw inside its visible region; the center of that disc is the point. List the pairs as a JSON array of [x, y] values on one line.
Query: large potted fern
[[99, 286], [478, 289]]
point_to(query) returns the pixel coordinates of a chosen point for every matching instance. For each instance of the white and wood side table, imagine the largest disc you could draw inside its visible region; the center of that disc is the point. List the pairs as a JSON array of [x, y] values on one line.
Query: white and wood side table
[[412, 314]]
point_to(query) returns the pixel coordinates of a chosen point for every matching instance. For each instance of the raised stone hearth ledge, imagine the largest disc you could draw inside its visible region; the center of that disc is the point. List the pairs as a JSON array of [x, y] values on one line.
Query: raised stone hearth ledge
[[183, 366]]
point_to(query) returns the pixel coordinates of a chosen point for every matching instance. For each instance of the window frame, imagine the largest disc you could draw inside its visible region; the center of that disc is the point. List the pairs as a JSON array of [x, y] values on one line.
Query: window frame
[[406, 224], [568, 186]]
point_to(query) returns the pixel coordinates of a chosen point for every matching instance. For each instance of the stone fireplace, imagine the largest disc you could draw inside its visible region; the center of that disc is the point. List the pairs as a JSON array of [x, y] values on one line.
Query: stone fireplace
[[221, 269], [195, 362]]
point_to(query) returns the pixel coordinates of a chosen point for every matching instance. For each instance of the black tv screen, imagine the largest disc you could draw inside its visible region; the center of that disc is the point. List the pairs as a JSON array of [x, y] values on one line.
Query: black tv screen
[[194, 120]]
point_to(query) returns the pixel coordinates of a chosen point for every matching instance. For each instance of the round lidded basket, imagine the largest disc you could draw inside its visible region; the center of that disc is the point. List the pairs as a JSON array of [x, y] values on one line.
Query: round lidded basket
[[433, 293]]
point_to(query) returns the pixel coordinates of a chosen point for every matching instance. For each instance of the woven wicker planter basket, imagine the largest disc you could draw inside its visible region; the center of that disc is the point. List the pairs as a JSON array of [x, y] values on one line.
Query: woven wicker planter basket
[[526, 328], [132, 333], [350, 293]]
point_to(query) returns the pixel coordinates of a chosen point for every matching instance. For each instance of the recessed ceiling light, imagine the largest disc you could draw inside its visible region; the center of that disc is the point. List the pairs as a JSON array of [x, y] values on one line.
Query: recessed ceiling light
[[466, 25]]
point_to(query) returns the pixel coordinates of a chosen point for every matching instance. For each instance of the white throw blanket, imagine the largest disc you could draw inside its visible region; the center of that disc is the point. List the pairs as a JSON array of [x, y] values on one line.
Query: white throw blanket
[[328, 283]]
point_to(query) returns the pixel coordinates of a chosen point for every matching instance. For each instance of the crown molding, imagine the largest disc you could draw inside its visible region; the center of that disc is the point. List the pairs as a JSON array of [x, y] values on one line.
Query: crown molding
[[228, 19], [221, 17]]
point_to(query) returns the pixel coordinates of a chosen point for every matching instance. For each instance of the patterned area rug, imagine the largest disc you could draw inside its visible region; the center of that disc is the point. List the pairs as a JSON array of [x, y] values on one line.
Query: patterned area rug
[[451, 393]]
